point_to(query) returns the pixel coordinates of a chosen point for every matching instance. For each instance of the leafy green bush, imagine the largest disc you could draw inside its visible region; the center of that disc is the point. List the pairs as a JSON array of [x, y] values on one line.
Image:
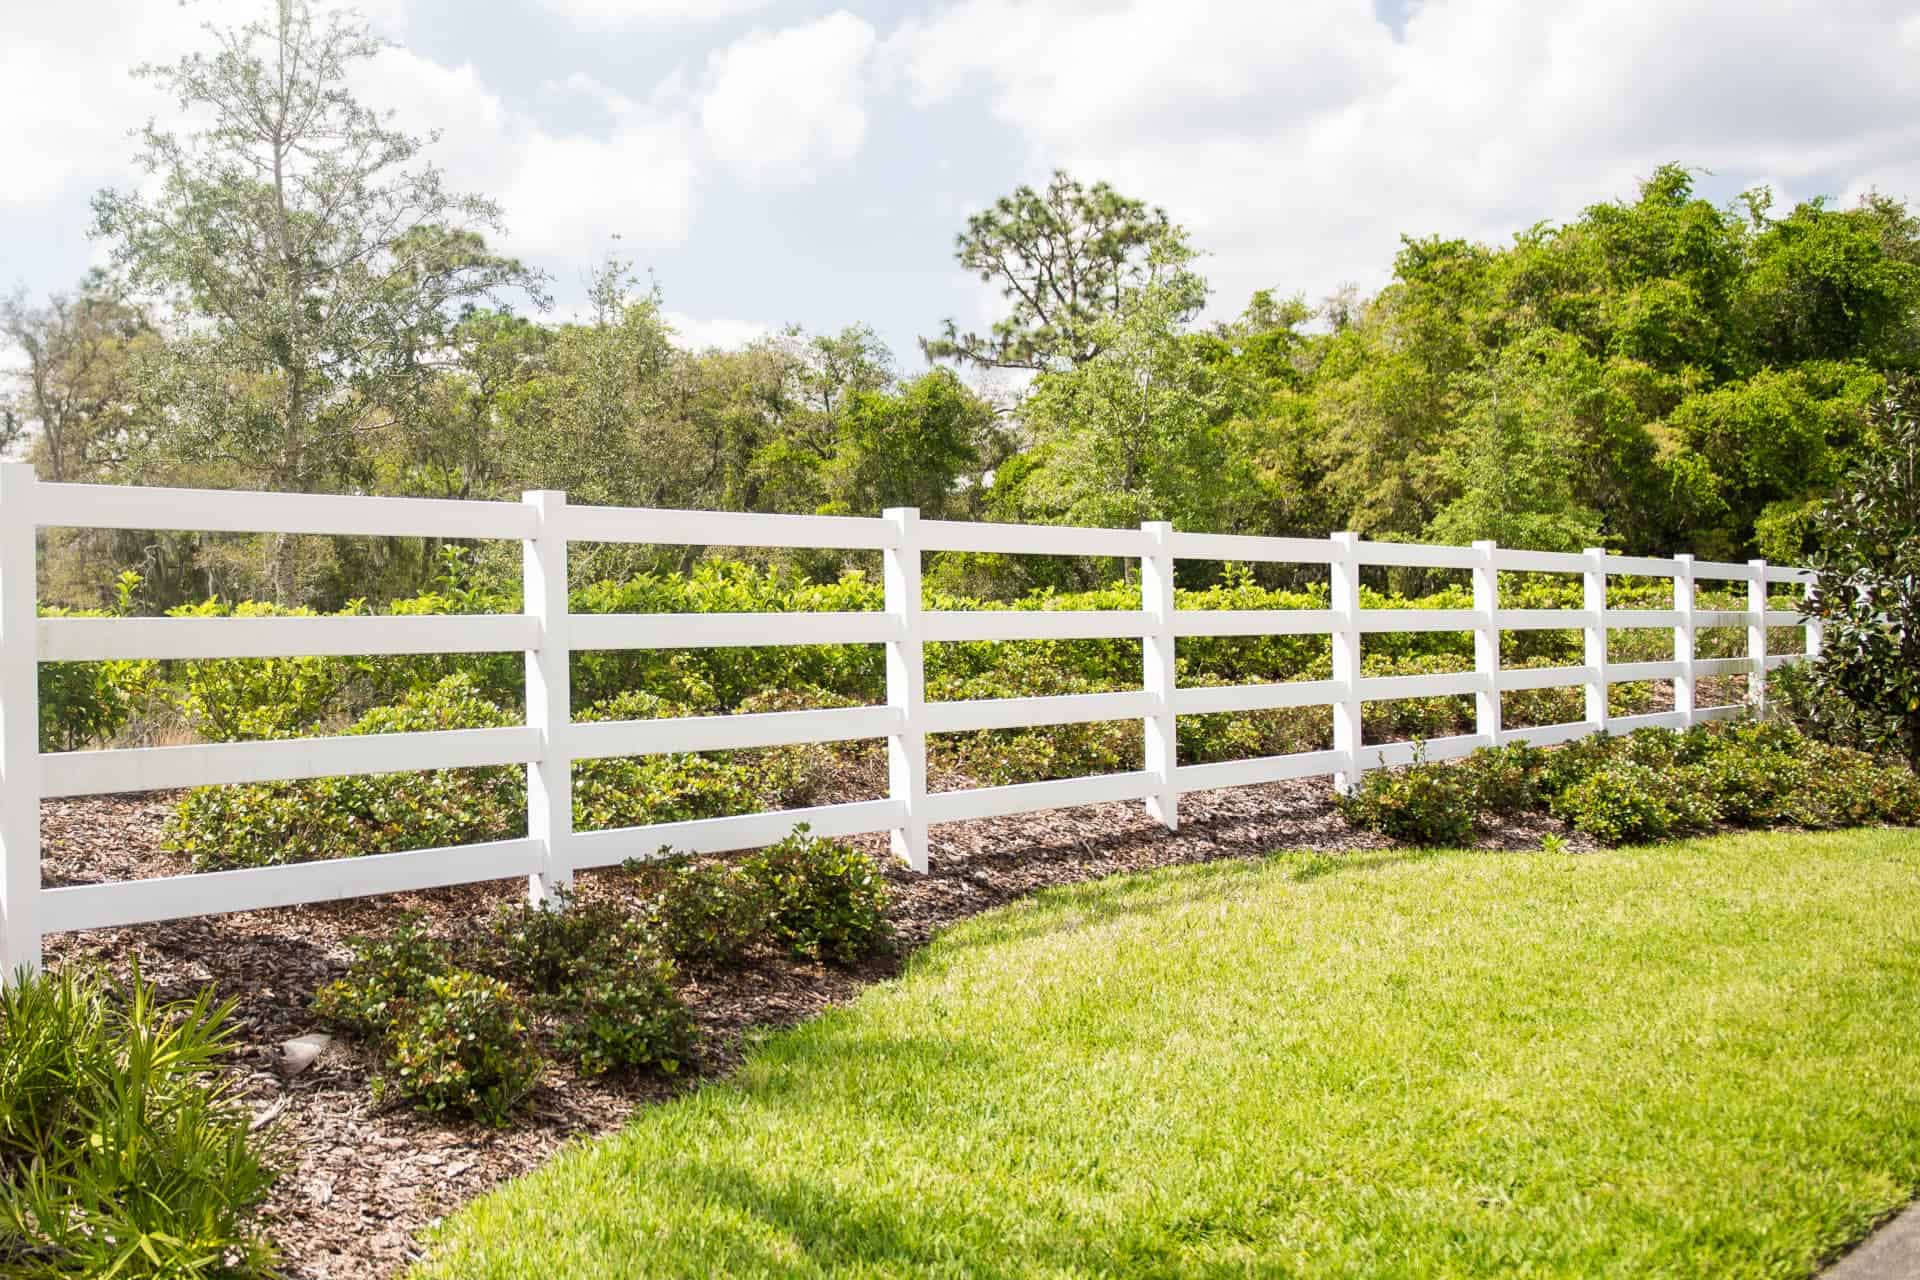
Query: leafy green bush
[[385, 974], [825, 900], [1239, 735], [1626, 802], [270, 823], [557, 946], [637, 791], [463, 1045], [243, 699], [1000, 757], [626, 1017], [706, 915], [123, 1149], [85, 704], [1503, 781], [730, 674], [1425, 804], [1867, 587], [598, 971]]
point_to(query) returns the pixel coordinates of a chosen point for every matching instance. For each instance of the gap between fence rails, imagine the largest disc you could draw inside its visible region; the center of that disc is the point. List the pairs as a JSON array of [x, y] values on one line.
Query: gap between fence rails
[[548, 633]]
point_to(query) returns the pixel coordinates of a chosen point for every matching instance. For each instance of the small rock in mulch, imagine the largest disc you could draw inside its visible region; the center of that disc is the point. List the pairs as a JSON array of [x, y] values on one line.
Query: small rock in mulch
[[296, 1055], [359, 1183]]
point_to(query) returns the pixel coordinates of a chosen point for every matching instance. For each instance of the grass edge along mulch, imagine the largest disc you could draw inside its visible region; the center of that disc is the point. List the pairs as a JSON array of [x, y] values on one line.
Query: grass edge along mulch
[[1700, 1059]]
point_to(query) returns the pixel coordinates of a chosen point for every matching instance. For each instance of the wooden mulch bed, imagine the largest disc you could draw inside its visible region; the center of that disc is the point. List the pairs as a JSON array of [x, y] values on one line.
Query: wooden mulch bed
[[360, 1182]]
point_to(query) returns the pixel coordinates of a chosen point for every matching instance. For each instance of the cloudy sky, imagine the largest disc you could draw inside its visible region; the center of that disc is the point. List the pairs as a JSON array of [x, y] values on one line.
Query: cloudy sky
[[778, 161]]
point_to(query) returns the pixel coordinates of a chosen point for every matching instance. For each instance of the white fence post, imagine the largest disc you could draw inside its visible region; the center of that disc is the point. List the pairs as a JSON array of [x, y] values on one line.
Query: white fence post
[[19, 725], [1816, 629], [543, 563], [1595, 603], [1686, 695], [907, 689], [1347, 731], [1757, 637], [1486, 643], [1156, 650]]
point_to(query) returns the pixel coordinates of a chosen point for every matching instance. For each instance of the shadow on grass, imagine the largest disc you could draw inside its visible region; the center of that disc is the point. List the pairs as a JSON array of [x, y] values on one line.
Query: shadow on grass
[[835, 1232], [1307, 865]]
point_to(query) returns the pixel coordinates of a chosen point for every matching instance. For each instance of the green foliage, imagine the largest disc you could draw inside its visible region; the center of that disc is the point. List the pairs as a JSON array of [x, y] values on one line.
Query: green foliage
[[561, 945], [998, 757], [463, 1044], [1629, 803], [1650, 785], [636, 791], [1866, 589], [707, 914], [725, 677], [626, 1018], [84, 704], [825, 900], [124, 1150], [600, 971], [1504, 781], [1422, 804], [308, 252], [237, 699], [271, 823], [1128, 434], [387, 974]]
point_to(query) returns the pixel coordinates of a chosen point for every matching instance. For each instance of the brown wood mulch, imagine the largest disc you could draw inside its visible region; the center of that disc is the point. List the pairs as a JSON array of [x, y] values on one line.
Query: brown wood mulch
[[361, 1181]]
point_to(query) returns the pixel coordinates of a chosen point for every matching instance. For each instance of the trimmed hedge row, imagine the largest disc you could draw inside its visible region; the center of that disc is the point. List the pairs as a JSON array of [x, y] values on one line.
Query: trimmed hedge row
[[1649, 785]]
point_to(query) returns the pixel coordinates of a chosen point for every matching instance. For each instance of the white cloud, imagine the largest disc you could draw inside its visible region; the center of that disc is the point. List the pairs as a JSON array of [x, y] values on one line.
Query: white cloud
[[68, 95], [778, 107], [1298, 145], [715, 331], [636, 13], [565, 195]]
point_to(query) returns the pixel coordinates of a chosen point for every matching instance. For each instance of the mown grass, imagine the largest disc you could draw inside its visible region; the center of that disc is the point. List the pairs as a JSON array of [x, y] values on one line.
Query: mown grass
[[1695, 1060]]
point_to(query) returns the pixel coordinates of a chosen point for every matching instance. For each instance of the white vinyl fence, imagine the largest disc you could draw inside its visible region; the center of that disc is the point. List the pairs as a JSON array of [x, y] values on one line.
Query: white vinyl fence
[[544, 523]]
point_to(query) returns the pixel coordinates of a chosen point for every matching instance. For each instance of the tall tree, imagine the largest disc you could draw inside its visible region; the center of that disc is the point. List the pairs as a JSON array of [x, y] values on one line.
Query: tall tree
[[76, 394], [1129, 435], [1068, 260], [312, 259]]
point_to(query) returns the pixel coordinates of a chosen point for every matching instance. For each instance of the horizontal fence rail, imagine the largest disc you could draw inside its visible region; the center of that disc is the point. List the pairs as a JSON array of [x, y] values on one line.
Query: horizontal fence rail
[[547, 634]]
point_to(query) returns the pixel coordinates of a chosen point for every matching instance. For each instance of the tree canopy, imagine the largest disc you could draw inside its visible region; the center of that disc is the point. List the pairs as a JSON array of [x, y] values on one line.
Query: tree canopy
[[298, 301]]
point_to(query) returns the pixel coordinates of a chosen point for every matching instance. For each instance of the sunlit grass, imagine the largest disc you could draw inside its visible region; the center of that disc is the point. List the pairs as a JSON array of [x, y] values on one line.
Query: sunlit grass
[[1697, 1060]]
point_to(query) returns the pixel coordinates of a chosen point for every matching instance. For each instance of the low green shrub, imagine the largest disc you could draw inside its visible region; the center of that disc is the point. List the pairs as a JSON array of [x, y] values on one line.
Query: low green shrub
[[561, 945], [626, 1018], [270, 823], [1002, 757], [124, 1151], [243, 699], [825, 900], [386, 973], [641, 790], [1398, 719], [706, 915], [1424, 804], [1625, 802], [463, 1044], [1504, 781], [84, 704], [1239, 735]]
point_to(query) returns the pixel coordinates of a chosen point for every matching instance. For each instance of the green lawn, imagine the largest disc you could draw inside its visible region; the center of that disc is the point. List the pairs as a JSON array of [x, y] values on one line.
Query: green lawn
[[1695, 1060]]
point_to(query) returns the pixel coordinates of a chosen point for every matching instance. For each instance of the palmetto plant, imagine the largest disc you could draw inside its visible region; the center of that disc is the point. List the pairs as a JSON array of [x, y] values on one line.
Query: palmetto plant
[[123, 1152]]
